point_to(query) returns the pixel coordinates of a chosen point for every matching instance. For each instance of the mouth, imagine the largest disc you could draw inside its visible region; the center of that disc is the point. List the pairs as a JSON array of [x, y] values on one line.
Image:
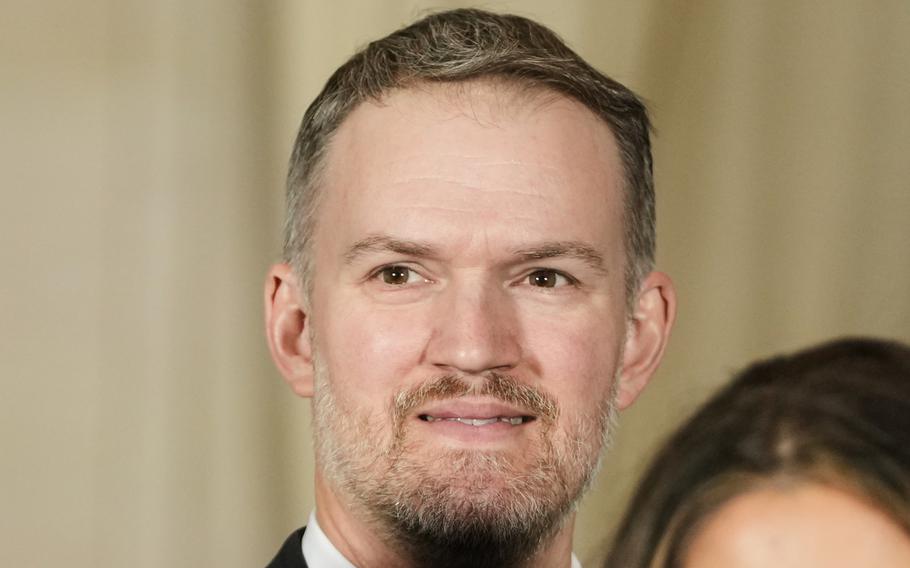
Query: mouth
[[474, 421], [479, 421]]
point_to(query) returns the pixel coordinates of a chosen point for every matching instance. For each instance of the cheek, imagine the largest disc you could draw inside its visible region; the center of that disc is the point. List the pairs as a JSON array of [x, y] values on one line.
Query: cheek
[[369, 351], [577, 354]]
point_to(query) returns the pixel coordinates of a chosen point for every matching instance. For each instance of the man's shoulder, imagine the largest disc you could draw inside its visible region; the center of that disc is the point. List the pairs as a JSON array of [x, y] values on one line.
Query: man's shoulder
[[291, 554]]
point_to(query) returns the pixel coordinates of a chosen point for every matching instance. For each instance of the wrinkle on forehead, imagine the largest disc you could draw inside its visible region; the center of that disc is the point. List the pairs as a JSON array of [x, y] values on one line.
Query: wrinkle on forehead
[[472, 181], [472, 191]]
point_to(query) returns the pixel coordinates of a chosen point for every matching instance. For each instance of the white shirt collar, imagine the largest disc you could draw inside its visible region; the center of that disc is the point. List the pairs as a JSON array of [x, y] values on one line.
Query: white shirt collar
[[319, 552]]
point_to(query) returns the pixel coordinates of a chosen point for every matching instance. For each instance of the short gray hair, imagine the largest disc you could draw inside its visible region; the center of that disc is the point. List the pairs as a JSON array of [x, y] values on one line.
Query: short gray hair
[[463, 45]]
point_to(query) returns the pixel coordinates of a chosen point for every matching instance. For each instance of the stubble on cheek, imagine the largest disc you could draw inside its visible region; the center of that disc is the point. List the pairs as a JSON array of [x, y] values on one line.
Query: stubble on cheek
[[407, 488], [358, 447]]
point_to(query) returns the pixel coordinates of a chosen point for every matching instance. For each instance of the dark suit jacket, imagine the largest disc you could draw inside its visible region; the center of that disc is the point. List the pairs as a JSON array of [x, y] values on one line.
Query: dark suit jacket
[[290, 555]]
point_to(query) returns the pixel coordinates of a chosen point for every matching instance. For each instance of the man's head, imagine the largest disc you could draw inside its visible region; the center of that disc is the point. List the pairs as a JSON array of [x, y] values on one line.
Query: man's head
[[470, 45], [459, 203]]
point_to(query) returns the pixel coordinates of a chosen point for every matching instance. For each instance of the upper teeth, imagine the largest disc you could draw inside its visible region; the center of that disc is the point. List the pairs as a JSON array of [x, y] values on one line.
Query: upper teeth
[[513, 420]]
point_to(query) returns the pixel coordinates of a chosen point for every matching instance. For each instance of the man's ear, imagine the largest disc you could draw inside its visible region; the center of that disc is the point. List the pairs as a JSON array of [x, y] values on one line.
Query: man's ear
[[647, 331], [287, 329]]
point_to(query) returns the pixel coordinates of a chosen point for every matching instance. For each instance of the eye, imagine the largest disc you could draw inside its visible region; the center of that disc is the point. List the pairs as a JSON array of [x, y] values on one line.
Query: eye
[[397, 275], [548, 279]]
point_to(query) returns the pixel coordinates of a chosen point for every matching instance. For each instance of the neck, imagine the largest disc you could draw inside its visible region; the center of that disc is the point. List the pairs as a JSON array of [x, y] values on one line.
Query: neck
[[365, 541]]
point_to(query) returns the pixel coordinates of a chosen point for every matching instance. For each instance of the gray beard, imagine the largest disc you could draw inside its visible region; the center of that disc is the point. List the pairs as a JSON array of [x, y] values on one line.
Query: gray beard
[[456, 508]]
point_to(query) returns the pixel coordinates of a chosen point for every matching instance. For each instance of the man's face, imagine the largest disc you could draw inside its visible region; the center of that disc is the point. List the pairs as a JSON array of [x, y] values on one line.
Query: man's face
[[468, 312]]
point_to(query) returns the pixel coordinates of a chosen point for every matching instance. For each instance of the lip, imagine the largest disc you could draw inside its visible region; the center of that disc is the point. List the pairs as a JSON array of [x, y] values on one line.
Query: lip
[[467, 407], [454, 433]]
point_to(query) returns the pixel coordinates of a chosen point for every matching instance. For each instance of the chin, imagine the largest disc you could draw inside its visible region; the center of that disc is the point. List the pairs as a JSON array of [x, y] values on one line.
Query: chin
[[472, 509]]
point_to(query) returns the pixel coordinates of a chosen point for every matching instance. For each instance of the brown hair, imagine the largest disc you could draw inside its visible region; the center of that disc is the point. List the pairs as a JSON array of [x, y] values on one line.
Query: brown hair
[[837, 414], [463, 45]]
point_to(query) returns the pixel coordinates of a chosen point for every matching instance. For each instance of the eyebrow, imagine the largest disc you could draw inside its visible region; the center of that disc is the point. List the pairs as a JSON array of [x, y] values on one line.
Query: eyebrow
[[552, 249], [385, 243], [565, 249]]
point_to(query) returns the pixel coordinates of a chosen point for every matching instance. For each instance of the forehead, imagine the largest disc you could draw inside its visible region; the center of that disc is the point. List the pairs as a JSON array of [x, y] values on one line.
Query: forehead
[[807, 525], [466, 118], [474, 148]]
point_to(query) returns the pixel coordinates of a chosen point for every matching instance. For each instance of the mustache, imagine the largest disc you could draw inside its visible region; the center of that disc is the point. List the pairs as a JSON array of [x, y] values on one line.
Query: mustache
[[534, 401]]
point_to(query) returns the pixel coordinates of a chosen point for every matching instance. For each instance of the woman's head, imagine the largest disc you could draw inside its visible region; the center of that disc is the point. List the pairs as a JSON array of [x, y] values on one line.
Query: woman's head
[[799, 525], [835, 418]]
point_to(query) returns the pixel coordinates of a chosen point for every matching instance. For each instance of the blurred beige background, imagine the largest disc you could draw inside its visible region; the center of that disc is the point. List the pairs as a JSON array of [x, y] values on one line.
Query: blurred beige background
[[143, 151]]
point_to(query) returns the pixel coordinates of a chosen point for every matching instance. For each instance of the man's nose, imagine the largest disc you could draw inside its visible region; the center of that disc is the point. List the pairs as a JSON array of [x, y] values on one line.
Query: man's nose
[[475, 330]]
